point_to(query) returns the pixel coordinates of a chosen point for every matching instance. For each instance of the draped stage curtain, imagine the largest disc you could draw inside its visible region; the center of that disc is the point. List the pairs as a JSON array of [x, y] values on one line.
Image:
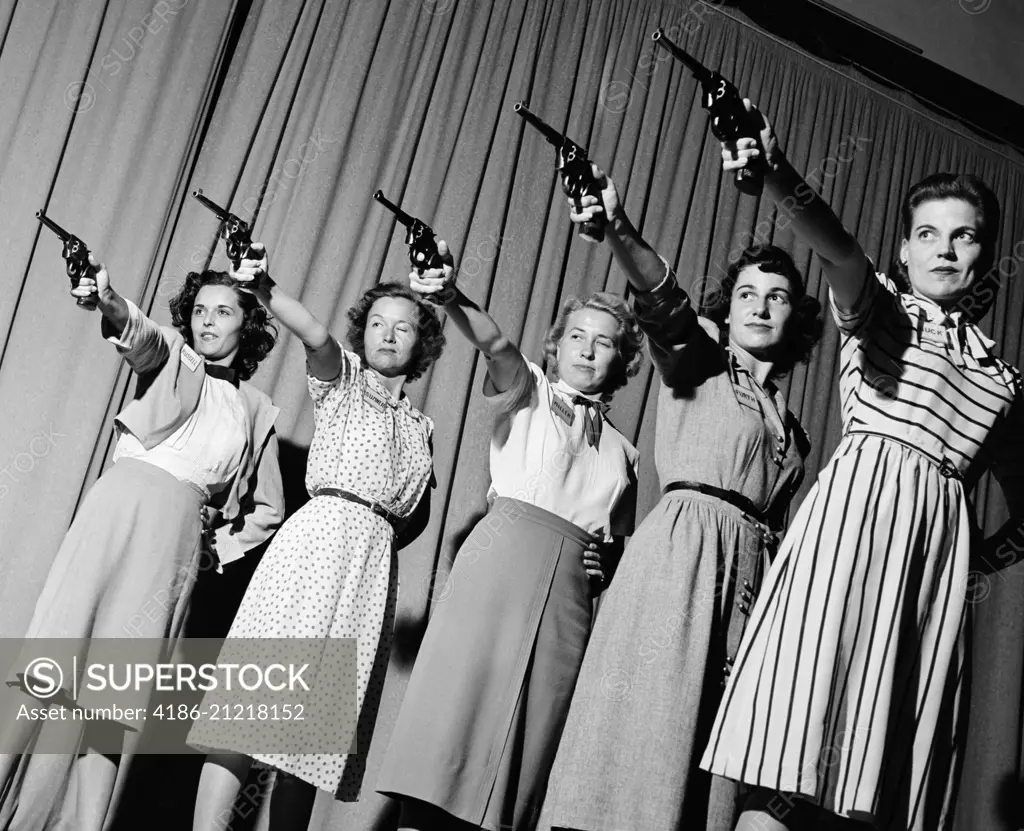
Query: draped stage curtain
[[292, 113]]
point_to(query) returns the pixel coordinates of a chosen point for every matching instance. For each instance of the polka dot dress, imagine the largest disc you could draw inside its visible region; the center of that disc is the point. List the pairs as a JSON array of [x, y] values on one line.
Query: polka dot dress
[[329, 571]]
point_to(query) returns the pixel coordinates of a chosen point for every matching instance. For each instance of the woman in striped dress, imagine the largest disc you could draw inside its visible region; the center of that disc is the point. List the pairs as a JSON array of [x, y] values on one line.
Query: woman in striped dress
[[846, 698]]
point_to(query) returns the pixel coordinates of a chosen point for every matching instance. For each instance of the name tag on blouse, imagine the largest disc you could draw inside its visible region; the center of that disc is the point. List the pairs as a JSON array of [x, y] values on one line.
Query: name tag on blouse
[[935, 335], [377, 401], [747, 399], [190, 358], [562, 410]]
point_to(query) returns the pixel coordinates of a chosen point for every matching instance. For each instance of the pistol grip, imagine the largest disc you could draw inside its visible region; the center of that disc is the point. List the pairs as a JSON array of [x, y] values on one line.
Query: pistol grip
[[593, 231], [750, 182]]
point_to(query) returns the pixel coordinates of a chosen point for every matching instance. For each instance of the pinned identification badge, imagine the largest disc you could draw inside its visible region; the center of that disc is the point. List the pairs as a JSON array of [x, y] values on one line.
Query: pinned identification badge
[[562, 410], [934, 334], [190, 358], [747, 399], [376, 400]]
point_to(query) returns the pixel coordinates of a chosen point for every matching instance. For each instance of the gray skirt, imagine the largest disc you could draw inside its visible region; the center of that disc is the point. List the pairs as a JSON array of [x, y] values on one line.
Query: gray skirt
[[651, 682], [126, 569], [490, 690]]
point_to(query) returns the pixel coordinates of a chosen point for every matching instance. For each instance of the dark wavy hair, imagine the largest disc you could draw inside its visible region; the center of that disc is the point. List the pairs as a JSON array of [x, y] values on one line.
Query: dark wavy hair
[[630, 337], [430, 340], [258, 334], [805, 324], [970, 189]]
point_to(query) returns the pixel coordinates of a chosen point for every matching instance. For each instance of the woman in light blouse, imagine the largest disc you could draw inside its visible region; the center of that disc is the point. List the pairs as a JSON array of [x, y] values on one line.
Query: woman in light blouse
[[195, 475]]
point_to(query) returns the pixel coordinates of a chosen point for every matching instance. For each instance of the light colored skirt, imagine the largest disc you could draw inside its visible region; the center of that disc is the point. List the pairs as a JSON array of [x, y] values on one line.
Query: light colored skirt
[[651, 678], [126, 569]]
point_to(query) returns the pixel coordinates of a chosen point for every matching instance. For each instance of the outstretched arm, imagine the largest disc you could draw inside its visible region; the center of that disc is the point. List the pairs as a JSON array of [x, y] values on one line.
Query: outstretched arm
[[845, 263], [503, 357], [644, 269], [322, 351], [96, 286], [137, 338]]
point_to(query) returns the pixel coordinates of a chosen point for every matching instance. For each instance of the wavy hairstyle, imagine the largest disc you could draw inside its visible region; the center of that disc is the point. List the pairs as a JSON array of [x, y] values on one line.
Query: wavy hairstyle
[[805, 324], [258, 334], [975, 192], [630, 337], [430, 340]]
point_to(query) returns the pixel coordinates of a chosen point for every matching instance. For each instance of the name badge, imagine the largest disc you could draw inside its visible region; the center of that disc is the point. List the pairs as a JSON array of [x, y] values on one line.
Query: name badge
[[190, 358], [934, 334], [562, 410], [747, 399], [376, 400]]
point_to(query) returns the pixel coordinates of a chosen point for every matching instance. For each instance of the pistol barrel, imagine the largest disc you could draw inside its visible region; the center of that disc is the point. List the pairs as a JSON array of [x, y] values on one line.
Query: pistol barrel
[[220, 212], [402, 216], [695, 66], [550, 133], [53, 226]]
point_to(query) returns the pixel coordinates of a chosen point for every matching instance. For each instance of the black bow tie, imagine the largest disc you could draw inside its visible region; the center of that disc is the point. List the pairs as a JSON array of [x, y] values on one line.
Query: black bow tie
[[592, 418], [224, 373]]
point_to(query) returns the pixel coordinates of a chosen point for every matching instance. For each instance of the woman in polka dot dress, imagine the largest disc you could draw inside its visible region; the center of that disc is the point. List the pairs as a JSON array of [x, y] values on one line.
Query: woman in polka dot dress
[[329, 573]]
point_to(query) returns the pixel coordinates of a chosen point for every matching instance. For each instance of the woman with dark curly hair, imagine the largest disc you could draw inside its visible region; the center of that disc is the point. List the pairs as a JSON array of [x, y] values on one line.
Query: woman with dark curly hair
[[488, 695], [729, 457], [330, 573], [195, 448]]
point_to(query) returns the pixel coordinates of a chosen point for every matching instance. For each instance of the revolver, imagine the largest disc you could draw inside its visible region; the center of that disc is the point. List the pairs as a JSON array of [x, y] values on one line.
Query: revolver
[[419, 237], [75, 254], [729, 118], [574, 165], [233, 229]]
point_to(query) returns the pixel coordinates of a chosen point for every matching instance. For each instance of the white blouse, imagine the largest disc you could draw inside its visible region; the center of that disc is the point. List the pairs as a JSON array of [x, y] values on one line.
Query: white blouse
[[539, 458], [206, 450]]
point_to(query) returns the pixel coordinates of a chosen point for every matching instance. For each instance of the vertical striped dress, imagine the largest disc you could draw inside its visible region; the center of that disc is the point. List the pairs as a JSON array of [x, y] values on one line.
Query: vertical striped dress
[[848, 685]]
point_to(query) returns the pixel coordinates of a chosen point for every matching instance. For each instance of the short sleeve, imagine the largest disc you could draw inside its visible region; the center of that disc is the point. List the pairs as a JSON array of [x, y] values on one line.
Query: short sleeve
[[319, 390], [520, 391], [623, 518], [877, 292]]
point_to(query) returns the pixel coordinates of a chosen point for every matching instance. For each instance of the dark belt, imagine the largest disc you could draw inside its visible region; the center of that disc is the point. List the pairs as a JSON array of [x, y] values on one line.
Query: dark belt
[[376, 507], [737, 500]]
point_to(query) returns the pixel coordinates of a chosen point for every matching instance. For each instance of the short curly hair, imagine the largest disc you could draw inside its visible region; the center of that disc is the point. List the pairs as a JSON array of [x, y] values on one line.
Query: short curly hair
[[258, 334], [805, 324], [430, 339], [630, 337]]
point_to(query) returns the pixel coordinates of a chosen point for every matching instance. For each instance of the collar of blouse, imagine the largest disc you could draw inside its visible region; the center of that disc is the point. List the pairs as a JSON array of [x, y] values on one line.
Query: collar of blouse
[[599, 399], [969, 346]]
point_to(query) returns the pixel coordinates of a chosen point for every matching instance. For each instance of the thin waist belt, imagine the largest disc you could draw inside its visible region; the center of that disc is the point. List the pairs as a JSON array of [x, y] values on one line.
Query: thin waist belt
[[737, 500], [376, 507], [945, 465]]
